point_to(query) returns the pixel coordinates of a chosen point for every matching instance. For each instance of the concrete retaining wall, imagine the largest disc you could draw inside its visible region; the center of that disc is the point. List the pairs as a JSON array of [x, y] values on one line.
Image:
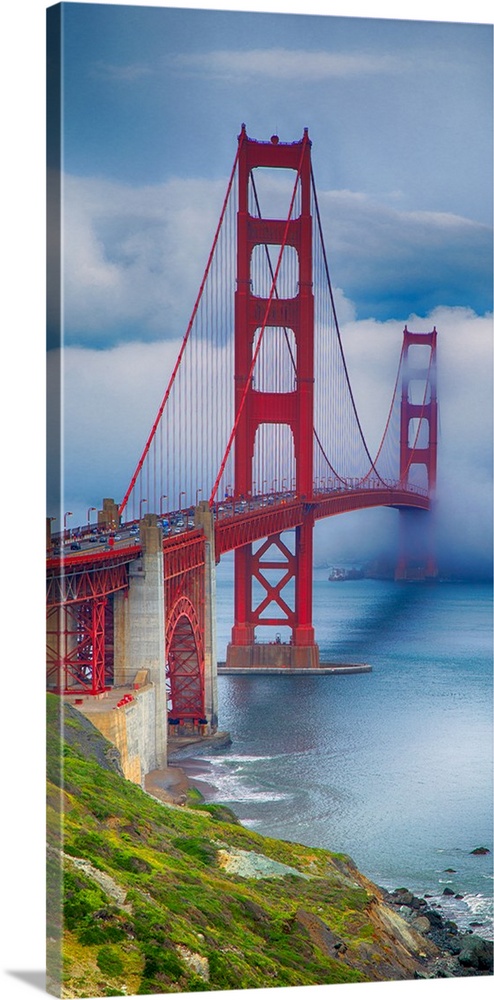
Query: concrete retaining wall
[[131, 728]]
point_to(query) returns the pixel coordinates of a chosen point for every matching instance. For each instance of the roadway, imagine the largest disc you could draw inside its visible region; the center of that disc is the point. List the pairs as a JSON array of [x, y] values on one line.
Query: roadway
[[238, 521]]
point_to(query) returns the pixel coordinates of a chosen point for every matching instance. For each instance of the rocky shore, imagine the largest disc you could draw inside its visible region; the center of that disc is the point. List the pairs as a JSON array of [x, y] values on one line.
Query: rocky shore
[[459, 953], [462, 953], [185, 898]]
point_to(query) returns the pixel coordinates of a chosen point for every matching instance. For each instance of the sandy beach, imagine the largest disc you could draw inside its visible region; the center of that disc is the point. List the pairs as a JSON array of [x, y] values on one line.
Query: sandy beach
[[169, 784]]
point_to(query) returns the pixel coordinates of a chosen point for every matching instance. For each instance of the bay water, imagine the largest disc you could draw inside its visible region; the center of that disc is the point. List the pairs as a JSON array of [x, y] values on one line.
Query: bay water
[[393, 767]]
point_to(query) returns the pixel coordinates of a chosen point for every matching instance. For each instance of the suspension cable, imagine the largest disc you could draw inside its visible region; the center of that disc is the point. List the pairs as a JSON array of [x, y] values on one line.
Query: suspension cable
[[388, 421], [186, 336], [326, 269], [259, 342]]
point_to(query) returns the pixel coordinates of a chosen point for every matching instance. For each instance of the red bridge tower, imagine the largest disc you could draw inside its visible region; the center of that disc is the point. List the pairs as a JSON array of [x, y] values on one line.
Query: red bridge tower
[[292, 408], [418, 447]]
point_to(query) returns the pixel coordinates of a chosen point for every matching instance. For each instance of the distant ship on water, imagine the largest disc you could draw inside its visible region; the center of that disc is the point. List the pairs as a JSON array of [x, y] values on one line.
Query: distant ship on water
[[383, 569], [338, 574], [376, 569]]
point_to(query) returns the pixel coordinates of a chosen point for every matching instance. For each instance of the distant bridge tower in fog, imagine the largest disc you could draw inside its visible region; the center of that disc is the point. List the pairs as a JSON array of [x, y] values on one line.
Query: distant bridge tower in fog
[[418, 448]]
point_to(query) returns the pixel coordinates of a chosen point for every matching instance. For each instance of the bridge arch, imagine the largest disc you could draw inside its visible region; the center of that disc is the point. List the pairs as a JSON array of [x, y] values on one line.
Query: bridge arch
[[184, 646]]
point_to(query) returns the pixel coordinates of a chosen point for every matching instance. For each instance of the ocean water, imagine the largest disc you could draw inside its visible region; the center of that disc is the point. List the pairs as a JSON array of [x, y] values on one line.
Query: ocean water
[[394, 767]]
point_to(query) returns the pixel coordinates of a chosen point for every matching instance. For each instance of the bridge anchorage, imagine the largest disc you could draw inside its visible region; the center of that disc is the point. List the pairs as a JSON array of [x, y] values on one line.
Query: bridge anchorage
[[256, 438]]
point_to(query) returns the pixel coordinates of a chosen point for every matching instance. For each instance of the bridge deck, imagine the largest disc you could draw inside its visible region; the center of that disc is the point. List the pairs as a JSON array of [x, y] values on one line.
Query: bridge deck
[[237, 523]]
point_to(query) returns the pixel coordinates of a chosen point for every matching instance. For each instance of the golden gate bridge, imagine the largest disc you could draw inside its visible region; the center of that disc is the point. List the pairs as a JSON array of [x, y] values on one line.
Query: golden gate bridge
[[257, 435]]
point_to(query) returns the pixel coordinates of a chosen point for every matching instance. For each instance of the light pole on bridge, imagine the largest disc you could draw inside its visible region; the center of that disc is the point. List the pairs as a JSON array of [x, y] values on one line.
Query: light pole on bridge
[[48, 532], [143, 500], [89, 515]]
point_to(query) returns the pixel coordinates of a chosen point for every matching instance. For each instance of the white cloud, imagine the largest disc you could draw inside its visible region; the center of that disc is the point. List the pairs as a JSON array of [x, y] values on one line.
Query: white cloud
[[288, 64], [111, 398], [134, 256], [379, 251], [120, 73], [109, 402]]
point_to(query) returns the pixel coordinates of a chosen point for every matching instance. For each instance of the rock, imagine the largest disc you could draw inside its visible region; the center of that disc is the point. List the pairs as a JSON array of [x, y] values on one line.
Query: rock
[[476, 953], [448, 892], [403, 897], [197, 963], [434, 917], [254, 912], [450, 871], [451, 927], [458, 895], [480, 850], [319, 933], [421, 924]]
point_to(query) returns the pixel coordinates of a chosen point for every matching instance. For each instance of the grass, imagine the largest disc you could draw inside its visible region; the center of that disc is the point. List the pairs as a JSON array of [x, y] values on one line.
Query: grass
[[152, 887]]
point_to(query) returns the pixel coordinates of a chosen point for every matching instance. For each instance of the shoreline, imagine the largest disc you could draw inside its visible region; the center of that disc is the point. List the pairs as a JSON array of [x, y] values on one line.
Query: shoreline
[[172, 784]]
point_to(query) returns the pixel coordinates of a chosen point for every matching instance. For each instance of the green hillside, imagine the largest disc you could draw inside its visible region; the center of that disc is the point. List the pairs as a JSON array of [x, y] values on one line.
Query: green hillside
[[166, 899]]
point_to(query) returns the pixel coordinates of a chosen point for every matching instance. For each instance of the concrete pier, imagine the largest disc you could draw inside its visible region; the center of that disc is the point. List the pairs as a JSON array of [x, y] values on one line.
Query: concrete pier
[[225, 669], [272, 655], [139, 637]]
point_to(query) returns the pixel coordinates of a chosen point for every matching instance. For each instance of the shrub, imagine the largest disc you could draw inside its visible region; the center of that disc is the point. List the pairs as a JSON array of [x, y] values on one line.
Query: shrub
[[197, 848], [109, 961], [160, 961], [130, 862], [81, 897]]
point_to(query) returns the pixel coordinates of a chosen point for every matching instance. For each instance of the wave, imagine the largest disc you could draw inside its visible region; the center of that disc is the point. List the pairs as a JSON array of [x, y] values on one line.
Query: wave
[[237, 758]]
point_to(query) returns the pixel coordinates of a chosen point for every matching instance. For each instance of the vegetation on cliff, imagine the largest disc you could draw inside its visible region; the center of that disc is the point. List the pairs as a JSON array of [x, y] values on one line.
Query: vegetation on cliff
[[160, 899]]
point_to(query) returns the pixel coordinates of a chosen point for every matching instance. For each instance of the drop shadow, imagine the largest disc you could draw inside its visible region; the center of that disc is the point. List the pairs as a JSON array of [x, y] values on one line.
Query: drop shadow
[[34, 978]]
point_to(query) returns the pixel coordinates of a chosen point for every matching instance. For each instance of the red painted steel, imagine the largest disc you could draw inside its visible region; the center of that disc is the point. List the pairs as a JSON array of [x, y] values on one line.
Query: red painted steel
[[243, 528], [80, 619], [77, 648], [424, 412], [412, 453], [69, 584], [185, 659], [184, 631], [282, 561], [254, 407]]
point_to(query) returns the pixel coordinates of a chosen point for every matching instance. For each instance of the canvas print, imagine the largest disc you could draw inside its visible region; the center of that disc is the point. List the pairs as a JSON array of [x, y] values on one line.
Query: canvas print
[[269, 512]]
